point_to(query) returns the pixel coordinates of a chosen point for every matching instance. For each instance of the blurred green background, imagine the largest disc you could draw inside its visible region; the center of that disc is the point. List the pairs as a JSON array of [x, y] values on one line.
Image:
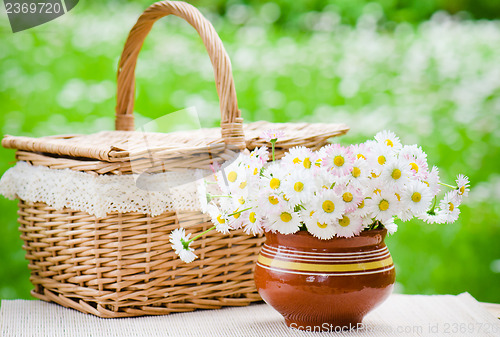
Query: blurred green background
[[427, 70]]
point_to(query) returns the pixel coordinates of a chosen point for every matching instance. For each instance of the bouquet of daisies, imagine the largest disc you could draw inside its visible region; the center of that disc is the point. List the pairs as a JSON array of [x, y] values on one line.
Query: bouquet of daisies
[[336, 191]]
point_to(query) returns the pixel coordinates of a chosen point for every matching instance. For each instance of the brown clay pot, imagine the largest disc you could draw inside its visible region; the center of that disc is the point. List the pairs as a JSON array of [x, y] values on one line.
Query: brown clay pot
[[318, 284]]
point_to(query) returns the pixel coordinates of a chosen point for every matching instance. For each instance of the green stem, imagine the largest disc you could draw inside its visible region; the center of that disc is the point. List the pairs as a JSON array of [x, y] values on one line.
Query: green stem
[[197, 236], [273, 144], [220, 196], [453, 187], [243, 210], [433, 206]]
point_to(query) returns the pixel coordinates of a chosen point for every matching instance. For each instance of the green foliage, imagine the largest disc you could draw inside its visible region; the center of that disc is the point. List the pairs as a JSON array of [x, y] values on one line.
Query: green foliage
[[434, 83]]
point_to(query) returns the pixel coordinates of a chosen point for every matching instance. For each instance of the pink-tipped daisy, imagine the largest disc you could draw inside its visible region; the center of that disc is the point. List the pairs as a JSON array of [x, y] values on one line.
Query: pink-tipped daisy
[[273, 134], [338, 160], [350, 195]]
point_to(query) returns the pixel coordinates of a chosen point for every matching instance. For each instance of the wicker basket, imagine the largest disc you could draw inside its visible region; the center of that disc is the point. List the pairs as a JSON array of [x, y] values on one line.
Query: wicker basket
[[122, 264]]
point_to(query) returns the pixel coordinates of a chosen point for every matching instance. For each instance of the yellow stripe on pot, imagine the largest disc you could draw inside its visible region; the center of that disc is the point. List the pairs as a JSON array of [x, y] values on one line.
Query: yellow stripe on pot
[[301, 266]]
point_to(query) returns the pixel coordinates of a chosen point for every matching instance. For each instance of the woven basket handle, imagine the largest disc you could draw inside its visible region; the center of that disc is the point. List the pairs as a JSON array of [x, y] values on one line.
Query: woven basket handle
[[231, 121]]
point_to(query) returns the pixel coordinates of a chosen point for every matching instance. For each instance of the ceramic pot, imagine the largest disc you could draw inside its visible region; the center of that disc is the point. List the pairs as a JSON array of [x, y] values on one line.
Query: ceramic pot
[[318, 284]]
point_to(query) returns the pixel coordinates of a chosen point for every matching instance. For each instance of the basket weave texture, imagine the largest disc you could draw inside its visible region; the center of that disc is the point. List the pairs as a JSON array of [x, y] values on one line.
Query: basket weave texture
[[122, 265]]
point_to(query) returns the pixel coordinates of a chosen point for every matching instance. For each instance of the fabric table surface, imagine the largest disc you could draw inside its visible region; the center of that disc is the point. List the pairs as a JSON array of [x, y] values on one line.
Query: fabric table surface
[[400, 315]]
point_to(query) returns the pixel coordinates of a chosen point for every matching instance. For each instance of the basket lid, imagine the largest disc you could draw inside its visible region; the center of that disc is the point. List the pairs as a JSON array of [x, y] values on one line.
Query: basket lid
[[184, 149]]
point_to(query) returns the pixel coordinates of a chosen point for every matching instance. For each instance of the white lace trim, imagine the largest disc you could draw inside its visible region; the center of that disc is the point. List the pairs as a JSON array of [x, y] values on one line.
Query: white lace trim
[[100, 195]]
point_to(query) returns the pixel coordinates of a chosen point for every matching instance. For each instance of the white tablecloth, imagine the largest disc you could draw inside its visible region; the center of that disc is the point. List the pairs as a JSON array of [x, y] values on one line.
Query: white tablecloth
[[400, 315]]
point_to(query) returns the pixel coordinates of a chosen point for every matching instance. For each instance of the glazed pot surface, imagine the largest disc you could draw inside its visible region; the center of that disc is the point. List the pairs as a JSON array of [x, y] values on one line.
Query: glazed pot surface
[[322, 284]]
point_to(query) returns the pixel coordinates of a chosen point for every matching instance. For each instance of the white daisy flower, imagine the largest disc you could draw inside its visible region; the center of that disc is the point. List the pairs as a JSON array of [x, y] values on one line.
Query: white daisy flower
[[462, 185], [432, 181], [391, 226], [360, 151], [383, 206], [417, 197], [300, 158], [219, 218], [271, 203], [378, 157], [395, 174], [417, 160], [272, 134], [437, 216], [285, 222], [349, 225], [260, 154], [321, 230], [327, 206], [252, 222], [337, 159], [179, 240], [273, 178], [449, 206], [299, 187], [360, 173], [388, 139], [362, 209], [350, 195], [325, 180], [236, 177]]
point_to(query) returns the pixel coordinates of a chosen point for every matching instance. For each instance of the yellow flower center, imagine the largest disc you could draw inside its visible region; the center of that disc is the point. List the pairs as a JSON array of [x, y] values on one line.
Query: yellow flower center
[[232, 176], [296, 160], [428, 185], [396, 174], [237, 215], [374, 175], [311, 214], [389, 142], [416, 197], [274, 183], [251, 217], [273, 200], [362, 204], [347, 197], [338, 161], [285, 217], [241, 200], [322, 225], [384, 205], [255, 171], [360, 155], [452, 207], [307, 163], [414, 167], [220, 219], [298, 187], [462, 190], [377, 191], [345, 221], [243, 185], [398, 196], [284, 197], [381, 160], [356, 172], [328, 206]]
